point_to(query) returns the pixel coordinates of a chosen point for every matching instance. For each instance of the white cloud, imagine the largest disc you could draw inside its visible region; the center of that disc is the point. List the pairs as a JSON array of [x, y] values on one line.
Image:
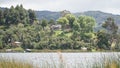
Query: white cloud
[[111, 6]]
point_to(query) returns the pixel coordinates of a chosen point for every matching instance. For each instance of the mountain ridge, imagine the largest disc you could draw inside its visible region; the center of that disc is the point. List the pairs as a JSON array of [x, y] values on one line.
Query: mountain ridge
[[99, 16]]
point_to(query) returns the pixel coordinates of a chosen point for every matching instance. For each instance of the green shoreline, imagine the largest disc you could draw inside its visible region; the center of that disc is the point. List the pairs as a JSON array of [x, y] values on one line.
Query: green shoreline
[[46, 50]]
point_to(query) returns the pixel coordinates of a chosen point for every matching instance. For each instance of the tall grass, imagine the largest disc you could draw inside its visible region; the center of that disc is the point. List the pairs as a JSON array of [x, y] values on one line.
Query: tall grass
[[108, 62], [12, 63], [105, 62]]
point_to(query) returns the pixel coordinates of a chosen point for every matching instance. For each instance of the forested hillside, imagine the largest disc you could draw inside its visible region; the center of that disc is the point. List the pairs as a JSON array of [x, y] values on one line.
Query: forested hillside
[[47, 15], [99, 16], [22, 29]]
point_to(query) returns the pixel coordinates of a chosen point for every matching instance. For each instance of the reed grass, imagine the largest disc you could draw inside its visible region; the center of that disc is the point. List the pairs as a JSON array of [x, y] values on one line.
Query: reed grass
[[105, 62], [108, 62], [12, 63]]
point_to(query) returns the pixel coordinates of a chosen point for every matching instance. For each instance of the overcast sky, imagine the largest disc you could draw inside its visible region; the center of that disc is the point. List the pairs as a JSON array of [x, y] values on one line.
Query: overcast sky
[[110, 6]]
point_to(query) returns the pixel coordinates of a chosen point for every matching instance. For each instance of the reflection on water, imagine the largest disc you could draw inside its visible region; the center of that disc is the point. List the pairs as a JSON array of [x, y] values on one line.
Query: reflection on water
[[71, 60]]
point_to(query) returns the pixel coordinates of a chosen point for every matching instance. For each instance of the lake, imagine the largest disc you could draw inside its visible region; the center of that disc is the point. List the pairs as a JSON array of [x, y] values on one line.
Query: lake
[[84, 60]]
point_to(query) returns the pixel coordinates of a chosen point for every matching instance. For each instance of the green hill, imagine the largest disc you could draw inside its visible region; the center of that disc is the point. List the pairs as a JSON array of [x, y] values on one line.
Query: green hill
[[99, 16]]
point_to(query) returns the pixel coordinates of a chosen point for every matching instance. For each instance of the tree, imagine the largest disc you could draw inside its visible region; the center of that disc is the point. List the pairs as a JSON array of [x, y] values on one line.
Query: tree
[[11, 16], [6, 14], [15, 15], [110, 25], [76, 26], [86, 26], [17, 7], [103, 39], [112, 29], [1, 17], [27, 44], [44, 23], [71, 18], [51, 22], [87, 23], [32, 15], [63, 21], [22, 14]]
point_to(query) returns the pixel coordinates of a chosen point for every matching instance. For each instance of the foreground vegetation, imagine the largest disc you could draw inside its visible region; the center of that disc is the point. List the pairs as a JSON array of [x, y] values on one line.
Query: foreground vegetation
[[11, 63], [104, 62], [108, 62], [19, 28]]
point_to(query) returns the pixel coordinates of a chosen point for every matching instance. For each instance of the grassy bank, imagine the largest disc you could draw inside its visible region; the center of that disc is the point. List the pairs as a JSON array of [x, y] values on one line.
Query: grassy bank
[[44, 50], [67, 50], [70, 50], [57, 50]]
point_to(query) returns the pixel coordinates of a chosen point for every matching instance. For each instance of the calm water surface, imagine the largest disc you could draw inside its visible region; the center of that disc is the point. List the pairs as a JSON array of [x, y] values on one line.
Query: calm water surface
[[84, 60]]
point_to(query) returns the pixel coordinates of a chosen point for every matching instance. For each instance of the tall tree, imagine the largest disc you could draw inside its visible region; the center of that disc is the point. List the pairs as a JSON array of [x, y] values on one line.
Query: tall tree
[[1, 17], [44, 23], [71, 19], [87, 23], [6, 14], [103, 39], [23, 15], [32, 15], [112, 29], [10, 17], [63, 21], [110, 25]]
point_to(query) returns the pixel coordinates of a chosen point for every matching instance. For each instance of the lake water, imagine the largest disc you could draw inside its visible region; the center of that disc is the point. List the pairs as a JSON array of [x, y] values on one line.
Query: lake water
[[84, 60]]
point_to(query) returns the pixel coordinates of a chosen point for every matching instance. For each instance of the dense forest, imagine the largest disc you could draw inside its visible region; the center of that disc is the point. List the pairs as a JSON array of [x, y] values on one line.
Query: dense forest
[[20, 28]]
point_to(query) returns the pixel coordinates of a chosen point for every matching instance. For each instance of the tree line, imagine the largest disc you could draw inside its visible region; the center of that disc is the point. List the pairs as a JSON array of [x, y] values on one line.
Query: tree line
[[16, 15]]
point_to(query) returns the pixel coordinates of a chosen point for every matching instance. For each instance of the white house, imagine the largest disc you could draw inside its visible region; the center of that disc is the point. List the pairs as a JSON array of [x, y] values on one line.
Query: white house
[[56, 27]]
